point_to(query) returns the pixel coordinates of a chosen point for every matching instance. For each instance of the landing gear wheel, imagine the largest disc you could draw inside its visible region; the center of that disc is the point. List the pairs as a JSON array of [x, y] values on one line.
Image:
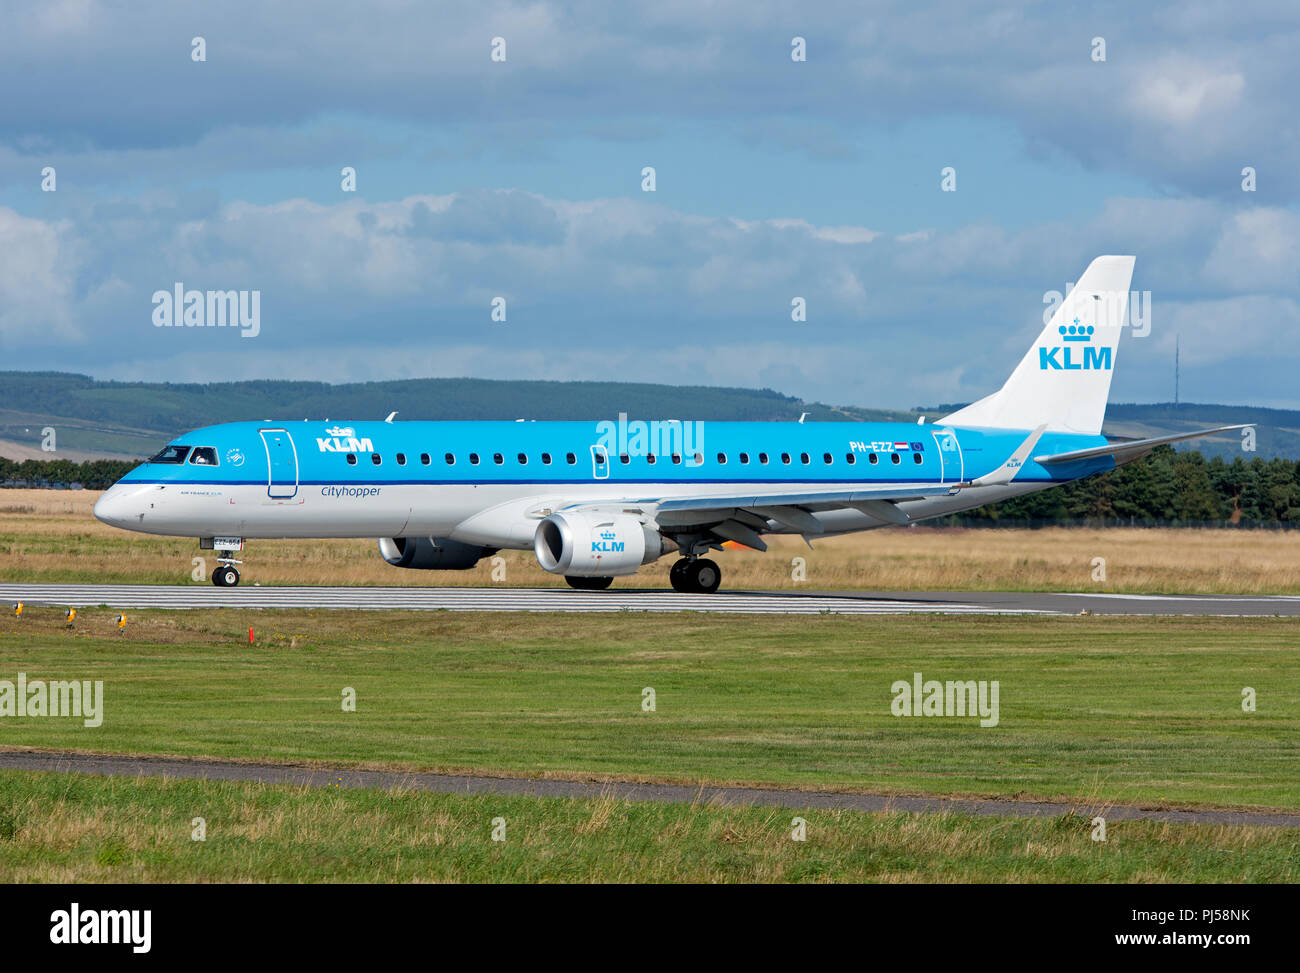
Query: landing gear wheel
[[677, 575], [704, 576], [698, 577], [225, 576], [588, 584]]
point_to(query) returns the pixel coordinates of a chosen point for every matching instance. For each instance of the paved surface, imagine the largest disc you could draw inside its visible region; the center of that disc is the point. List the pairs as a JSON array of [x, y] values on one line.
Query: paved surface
[[640, 599], [476, 599], [460, 784], [1074, 603]]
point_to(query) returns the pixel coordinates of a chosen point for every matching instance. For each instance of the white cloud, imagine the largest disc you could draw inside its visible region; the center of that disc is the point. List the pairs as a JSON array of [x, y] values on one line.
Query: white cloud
[[623, 289]]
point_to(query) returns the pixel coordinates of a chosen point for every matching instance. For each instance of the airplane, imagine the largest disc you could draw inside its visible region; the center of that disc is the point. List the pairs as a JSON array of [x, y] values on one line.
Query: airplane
[[594, 506]]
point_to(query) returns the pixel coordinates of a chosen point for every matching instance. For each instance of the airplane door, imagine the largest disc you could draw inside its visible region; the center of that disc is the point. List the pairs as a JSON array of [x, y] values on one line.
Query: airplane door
[[599, 463], [950, 458], [281, 464]]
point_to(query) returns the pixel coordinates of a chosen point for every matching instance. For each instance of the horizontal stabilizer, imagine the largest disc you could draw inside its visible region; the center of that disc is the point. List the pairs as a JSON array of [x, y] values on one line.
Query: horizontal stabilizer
[[1125, 452]]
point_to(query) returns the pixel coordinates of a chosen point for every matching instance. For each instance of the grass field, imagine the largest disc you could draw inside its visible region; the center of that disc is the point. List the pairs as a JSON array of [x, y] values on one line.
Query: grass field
[[51, 536], [76, 828], [1096, 709]]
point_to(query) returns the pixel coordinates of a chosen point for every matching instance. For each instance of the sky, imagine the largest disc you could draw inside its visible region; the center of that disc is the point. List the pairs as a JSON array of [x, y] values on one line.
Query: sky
[[517, 180]]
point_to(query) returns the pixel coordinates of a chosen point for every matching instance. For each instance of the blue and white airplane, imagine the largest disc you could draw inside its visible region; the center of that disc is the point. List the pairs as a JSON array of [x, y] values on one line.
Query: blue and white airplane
[[596, 501]]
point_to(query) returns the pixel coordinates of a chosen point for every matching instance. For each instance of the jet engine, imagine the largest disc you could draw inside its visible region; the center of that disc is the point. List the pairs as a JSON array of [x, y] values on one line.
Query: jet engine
[[431, 553], [585, 545]]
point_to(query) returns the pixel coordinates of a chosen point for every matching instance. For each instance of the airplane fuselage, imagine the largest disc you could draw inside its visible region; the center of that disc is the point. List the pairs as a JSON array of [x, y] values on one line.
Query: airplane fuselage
[[490, 483]]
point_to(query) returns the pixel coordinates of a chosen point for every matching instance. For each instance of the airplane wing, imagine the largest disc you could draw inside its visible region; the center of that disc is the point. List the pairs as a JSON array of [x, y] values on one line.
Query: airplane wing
[[741, 517], [1125, 452]]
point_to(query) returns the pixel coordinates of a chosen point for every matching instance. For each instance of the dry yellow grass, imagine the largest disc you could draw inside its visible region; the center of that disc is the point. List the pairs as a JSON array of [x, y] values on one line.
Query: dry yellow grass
[[52, 536]]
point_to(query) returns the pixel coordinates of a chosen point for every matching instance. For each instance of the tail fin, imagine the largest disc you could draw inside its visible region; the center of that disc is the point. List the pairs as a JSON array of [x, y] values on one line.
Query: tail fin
[[1064, 379]]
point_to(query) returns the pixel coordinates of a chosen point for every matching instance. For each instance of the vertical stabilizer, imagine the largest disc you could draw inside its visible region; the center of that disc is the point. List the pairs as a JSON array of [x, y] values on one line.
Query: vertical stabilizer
[[1063, 381]]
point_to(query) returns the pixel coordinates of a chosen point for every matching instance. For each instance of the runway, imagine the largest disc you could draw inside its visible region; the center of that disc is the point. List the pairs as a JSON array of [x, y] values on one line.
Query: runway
[[646, 600], [174, 767], [475, 599]]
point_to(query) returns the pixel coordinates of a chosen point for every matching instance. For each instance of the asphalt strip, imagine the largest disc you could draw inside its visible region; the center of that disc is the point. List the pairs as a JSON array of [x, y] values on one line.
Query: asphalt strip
[[173, 767]]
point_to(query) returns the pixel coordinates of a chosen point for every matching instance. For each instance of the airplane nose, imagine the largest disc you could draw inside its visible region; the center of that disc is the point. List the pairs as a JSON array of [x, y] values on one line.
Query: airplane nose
[[120, 506]]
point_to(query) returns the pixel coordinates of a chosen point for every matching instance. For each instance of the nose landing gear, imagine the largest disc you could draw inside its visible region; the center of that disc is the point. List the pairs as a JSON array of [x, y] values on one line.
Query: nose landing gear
[[695, 576], [226, 575]]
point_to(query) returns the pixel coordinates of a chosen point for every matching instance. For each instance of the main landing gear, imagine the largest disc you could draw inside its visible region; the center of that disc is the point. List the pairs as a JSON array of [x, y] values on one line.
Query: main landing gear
[[695, 576], [226, 575], [588, 584]]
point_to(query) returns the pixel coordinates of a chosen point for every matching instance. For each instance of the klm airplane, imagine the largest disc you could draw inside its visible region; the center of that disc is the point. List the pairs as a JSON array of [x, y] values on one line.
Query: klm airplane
[[596, 501]]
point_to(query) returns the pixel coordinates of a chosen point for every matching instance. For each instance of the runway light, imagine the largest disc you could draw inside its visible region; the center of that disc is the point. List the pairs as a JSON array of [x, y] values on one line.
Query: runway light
[[121, 623], [18, 609], [250, 635], [72, 617]]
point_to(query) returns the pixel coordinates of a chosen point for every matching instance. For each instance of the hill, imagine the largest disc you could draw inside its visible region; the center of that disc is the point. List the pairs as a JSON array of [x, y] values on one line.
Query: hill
[[135, 418]]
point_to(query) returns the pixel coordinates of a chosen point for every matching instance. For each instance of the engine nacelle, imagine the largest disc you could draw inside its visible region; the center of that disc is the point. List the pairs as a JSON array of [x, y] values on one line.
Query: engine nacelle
[[431, 553], [586, 545]]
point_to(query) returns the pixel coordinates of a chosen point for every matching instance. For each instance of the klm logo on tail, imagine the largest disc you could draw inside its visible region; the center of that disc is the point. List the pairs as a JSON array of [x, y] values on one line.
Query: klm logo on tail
[[1060, 357]]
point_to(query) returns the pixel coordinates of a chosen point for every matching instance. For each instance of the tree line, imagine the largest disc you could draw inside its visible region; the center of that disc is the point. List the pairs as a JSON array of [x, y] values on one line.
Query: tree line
[[1167, 487], [99, 474]]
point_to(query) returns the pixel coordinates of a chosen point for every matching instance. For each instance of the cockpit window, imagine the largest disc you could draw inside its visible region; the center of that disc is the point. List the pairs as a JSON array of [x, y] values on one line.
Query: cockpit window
[[203, 456], [171, 454]]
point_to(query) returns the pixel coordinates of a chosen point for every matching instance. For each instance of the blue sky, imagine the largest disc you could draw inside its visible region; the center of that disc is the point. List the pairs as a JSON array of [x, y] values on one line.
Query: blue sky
[[775, 179]]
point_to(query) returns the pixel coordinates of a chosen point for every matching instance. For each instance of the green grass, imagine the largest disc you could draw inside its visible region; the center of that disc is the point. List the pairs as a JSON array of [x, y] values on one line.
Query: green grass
[[77, 828], [1104, 710]]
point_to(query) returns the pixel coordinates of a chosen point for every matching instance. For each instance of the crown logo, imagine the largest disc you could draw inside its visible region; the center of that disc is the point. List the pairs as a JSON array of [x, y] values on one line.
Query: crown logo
[[607, 535], [341, 431], [1076, 332]]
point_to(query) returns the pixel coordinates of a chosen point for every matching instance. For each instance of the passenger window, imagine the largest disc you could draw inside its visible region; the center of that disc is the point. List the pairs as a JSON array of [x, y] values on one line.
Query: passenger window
[[651, 458], [916, 458], [804, 459], [894, 458], [744, 459], [677, 458], [762, 458], [785, 458], [600, 459], [826, 458], [473, 459], [722, 459], [850, 458], [352, 459], [624, 458], [375, 458], [699, 459], [570, 458], [873, 457], [449, 457], [523, 459], [203, 456], [546, 459], [401, 459], [425, 459], [498, 458]]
